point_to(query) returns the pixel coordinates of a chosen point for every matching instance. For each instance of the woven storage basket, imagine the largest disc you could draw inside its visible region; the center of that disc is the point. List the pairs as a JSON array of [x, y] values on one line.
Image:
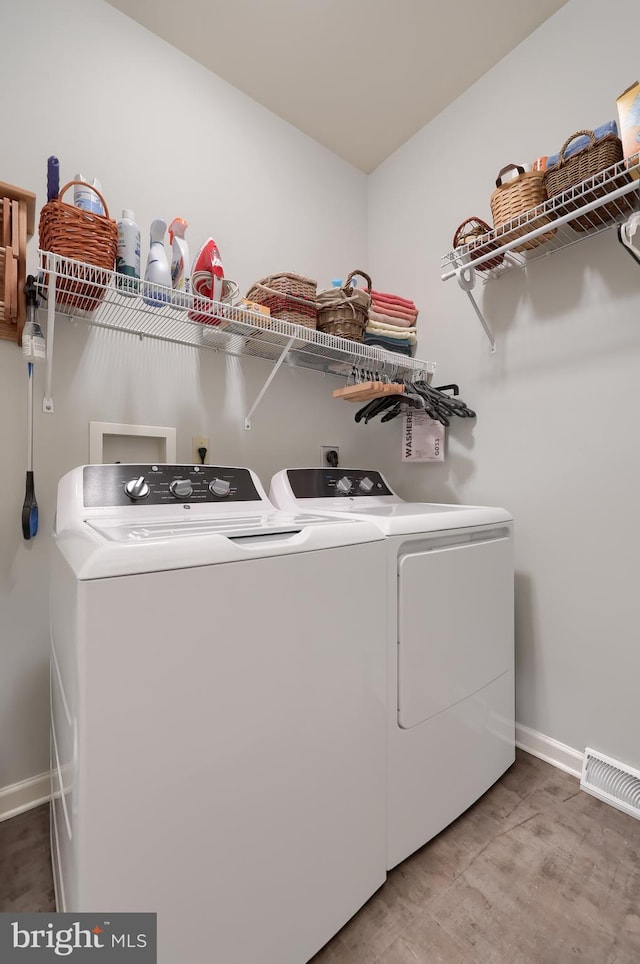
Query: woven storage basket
[[289, 297], [344, 312], [82, 236], [587, 163], [523, 195], [469, 233]]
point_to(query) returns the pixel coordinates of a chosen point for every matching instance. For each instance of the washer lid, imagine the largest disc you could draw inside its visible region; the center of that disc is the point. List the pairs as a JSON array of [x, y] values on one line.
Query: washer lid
[[232, 527], [119, 520]]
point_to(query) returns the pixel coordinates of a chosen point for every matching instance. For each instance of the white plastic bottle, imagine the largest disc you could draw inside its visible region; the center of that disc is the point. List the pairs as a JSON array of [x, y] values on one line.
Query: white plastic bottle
[[128, 255], [157, 274], [180, 272], [84, 197]]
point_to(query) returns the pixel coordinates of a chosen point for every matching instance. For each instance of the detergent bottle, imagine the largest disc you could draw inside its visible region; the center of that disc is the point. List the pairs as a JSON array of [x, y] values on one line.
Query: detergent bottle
[[128, 254], [157, 274], [180, 273], [84, 197]]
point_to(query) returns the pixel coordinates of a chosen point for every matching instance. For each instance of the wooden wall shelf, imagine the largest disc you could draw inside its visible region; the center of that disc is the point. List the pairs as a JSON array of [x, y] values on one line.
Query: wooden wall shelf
[[17, 224]]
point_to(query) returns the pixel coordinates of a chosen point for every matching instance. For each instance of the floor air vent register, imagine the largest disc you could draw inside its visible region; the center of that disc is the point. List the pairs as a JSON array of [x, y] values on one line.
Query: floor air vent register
[[611, 781]]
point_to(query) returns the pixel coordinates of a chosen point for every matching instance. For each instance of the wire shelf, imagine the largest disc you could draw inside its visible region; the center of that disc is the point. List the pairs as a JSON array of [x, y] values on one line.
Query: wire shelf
[[582, 211], [92, 294]]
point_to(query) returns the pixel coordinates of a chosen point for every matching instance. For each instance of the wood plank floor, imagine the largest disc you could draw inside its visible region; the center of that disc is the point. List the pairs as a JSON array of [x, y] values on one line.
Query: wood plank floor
[[536, 872]]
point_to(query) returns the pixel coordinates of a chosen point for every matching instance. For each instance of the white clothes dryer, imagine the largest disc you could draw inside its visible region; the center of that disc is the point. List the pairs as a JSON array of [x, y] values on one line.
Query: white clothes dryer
[[450, 644], [218, 711]]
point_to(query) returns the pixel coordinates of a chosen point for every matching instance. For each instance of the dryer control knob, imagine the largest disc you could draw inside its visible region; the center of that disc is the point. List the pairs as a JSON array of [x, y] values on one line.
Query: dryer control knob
[[220, 487], [344, 485], [366, 484], [137, 489], [181, 488]]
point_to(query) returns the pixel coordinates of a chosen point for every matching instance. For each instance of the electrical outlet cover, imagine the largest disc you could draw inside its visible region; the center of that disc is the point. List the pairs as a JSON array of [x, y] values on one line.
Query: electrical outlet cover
[[324, 451]]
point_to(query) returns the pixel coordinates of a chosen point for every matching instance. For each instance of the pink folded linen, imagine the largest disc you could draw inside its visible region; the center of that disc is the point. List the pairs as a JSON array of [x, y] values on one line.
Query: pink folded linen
[[390, 319], [386, 309], [383, 296]]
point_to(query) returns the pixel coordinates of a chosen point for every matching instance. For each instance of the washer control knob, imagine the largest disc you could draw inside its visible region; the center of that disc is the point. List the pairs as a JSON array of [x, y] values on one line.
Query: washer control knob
[[344, 485], [366, 484], [181, 488], [137, 489], [220, 487]]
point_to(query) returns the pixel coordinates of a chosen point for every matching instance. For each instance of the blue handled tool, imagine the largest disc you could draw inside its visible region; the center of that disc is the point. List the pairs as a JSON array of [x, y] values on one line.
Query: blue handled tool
[[30, 505], [32, 347]]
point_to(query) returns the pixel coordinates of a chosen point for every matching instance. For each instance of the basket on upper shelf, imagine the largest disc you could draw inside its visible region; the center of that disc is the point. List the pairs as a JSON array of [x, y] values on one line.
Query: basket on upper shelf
[[589, 161], [520, 200], [476, 235], [83, 236], [289, 297], [344, 312]]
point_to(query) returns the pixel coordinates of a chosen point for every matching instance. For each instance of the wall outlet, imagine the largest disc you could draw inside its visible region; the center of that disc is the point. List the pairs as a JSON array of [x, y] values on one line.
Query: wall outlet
[[199, 442], [330, 455]]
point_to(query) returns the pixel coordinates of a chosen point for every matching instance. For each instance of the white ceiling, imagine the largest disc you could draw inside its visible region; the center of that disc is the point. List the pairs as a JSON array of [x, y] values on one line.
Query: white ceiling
[[359, 76]]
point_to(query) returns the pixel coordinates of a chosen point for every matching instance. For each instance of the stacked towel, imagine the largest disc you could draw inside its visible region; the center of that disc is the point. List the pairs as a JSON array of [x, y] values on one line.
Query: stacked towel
[[392, 323]]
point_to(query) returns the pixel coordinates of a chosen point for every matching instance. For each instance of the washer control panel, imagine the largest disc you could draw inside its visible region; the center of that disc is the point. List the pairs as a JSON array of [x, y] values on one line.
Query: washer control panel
[[336, 483], [118, 485]]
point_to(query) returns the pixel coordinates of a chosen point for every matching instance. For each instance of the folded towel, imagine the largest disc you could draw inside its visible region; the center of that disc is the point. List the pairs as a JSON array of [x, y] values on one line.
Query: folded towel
[[388, 343], [384, 296], [583, 141], [390, 331], [397, 305], [395, 320], [386, 309]]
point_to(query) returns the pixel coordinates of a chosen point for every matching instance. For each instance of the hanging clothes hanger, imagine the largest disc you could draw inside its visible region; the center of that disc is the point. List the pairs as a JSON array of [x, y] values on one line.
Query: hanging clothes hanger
[[369, 385], [417, 394]]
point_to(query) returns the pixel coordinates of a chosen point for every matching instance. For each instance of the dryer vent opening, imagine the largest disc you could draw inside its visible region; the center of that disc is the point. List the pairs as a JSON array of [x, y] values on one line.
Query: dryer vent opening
[[611, 781]]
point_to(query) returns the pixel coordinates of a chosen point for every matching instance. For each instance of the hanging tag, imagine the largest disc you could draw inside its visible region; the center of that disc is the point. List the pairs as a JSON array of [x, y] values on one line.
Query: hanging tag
[[422, 438]]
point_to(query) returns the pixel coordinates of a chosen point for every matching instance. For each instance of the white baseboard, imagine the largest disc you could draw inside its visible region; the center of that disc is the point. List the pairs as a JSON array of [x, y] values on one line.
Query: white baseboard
[[550, 750], [25, 795]]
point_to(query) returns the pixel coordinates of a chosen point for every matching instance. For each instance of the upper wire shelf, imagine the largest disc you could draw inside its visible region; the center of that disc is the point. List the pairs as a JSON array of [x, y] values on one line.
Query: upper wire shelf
[[586, 209], [92, 294]]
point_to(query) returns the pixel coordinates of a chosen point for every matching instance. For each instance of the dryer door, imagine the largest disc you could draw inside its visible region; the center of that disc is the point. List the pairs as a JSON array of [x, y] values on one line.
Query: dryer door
[[455, 620]]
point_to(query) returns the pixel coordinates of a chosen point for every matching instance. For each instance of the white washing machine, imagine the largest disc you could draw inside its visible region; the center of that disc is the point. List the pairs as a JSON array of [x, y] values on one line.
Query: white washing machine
[[450, 644], [218, 711]]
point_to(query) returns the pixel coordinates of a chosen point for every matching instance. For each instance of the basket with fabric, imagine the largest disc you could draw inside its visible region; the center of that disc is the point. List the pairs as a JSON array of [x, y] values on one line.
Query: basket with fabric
[[344, 312], [591, 160], [289, 297], [477, 236], [82, 236], [519, 200]]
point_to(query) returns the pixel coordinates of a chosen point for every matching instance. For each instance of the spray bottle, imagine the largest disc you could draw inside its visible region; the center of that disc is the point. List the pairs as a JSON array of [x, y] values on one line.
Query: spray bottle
[[157, 275], [180, 274]]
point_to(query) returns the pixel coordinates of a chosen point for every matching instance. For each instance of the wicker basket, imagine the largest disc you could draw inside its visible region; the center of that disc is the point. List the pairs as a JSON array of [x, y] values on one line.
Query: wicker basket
[[344, 312], [289, 297], [586, 163], [469, 233], [82, 236], [520, 196]]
